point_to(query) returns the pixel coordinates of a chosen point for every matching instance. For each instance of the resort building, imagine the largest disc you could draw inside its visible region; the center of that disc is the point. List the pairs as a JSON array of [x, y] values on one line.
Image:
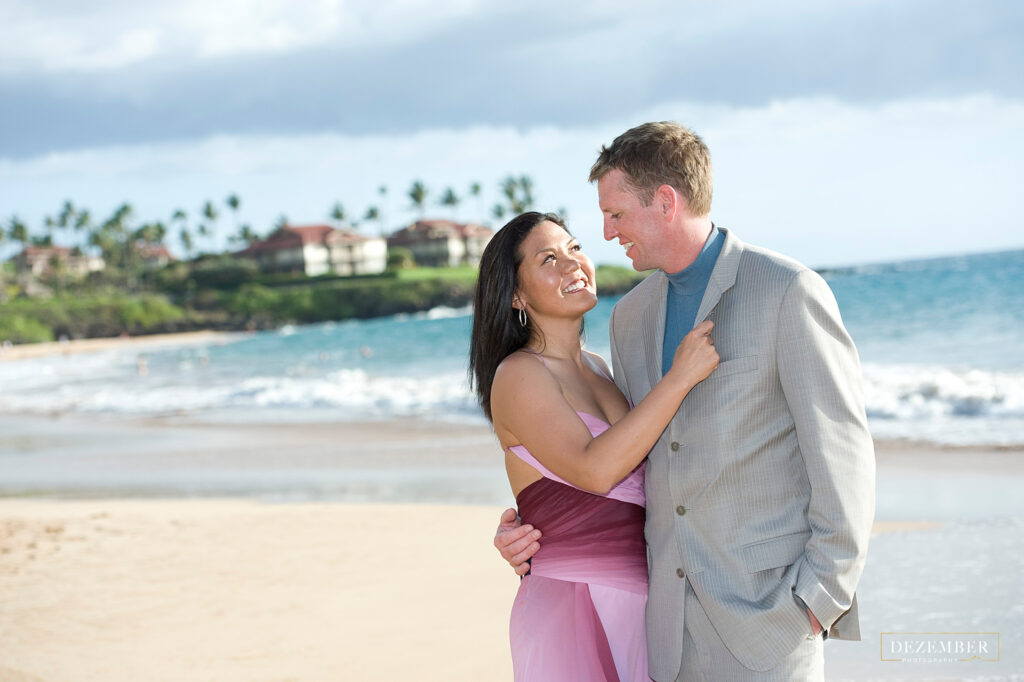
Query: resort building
[[153, 256], [43, 260], [443, 243], [319, 250]]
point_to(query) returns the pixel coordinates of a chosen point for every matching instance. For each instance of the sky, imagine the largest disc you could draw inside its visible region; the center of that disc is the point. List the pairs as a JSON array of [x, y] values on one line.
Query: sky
[[840, 132]]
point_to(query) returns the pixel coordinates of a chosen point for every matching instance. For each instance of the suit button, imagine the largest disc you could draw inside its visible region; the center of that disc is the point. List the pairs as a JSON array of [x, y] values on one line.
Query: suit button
[[674, 446], [680, 573], [680, 510]]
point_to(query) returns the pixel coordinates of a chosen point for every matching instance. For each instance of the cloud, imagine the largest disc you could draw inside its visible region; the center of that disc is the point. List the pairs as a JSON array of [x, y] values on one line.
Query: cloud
[[57, 37], [133, 74], [822, 180]]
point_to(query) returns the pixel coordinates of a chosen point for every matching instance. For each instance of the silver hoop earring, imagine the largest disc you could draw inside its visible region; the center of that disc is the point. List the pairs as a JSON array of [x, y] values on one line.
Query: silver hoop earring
[[522, 317]]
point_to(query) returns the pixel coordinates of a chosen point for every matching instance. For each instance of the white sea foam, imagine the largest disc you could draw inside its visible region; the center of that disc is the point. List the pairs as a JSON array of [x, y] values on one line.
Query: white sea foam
[[921, 402], [112, 388], [943, 404], [441, 312]]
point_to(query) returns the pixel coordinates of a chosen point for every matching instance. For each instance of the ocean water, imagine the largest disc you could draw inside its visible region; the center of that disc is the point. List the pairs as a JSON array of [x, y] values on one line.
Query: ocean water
[[941, 342]]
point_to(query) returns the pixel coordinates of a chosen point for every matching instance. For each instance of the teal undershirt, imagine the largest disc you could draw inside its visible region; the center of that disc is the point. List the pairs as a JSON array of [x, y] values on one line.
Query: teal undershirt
[[685, 292]]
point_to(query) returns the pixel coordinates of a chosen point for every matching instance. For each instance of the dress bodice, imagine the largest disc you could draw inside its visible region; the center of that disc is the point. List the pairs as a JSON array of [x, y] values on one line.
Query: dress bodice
[[630, 489]]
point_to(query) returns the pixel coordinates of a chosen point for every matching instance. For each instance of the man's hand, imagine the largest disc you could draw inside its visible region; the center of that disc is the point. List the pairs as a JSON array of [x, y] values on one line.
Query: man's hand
[[517, 543], [815, 625]]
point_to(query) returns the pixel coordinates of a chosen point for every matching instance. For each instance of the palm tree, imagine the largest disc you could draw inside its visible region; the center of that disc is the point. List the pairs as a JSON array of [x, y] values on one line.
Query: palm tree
[[83, 223], [499, 212], [451, 199], [418, 194], [66, 217], [509, 187], [338, 213], [373, 213], [475, 189], [526, 184], [233, 203], [245, 235], [383, 192], [208, 227], [147, 236], [186, 240], [180, 218], [112, 237], [153, 233], [17, 231], [51, 226], [120, 229], [518, 192]]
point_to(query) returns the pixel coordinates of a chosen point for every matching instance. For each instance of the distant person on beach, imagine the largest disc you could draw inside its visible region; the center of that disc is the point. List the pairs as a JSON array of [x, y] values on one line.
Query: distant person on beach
[[568, 433], [760, 492]]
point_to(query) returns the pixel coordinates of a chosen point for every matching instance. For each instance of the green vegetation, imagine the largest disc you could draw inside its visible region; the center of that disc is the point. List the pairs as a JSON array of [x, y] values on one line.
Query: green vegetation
[[230, 294], [262, 306], [400, 258], [465, 274], [134, 289], [615, 279], [27, 320], [22, 329]]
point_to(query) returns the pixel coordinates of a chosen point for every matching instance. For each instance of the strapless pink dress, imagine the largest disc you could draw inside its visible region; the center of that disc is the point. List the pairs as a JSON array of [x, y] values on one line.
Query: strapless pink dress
[[579, 614]]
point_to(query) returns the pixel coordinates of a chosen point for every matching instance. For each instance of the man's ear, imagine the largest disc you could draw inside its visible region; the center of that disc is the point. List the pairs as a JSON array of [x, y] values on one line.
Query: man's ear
[[669, 201]]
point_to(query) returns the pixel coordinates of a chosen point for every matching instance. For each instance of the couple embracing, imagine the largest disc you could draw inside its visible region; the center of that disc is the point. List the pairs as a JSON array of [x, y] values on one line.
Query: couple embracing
[[706, 513]]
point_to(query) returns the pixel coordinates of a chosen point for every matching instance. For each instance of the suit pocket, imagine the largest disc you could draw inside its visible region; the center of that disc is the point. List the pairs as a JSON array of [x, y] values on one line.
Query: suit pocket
[[747, 363], [782, 550]]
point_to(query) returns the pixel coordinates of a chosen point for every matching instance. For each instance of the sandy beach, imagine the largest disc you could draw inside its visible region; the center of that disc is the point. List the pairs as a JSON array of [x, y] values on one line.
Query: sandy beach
[[182, 546], [234, 590], [27, 351], [129, 580]]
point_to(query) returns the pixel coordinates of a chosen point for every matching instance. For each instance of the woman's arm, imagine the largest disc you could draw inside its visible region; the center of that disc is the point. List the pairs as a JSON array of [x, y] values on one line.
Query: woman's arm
[[526, 401]]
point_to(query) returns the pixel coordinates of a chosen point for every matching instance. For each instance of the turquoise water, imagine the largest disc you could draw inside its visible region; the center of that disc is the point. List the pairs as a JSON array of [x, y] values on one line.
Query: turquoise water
[[941, 342]]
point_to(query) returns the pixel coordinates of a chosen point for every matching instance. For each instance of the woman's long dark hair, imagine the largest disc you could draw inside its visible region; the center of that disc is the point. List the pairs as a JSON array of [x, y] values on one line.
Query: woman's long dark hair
[[496, 329]]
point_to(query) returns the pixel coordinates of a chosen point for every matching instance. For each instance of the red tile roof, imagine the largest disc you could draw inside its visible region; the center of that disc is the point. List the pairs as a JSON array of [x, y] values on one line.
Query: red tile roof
[[46, 251], [153, 251], [297, 236], [426, 230]]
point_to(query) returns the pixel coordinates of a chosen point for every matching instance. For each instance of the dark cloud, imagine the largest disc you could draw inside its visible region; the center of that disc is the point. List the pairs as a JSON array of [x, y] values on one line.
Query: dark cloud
[[516, 68]]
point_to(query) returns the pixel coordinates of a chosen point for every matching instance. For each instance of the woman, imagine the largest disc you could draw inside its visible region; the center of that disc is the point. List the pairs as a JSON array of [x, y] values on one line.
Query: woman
[[574, 452]]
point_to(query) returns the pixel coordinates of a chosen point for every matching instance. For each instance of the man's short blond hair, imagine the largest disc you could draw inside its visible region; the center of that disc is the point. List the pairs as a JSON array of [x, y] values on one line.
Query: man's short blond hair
[[656, 154]]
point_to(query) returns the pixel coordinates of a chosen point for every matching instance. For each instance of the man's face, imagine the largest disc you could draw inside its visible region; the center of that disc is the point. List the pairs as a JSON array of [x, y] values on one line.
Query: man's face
[[639, 229]]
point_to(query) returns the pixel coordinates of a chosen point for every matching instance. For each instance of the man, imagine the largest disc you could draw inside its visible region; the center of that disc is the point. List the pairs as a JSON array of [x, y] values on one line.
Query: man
[[760, 493]]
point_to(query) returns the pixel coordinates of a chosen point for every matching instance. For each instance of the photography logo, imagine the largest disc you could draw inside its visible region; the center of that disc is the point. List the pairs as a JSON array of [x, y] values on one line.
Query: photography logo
[[939, 647]]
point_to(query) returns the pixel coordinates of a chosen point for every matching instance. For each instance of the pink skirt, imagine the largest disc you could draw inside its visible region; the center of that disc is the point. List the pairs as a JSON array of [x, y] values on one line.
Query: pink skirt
[[579, 615]]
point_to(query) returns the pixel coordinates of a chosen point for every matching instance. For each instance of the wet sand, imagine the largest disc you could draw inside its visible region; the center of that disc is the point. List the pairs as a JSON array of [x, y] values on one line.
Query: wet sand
[[121, 560], [25, 351]]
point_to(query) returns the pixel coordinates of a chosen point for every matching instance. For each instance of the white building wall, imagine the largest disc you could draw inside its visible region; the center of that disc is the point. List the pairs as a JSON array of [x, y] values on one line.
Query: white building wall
[[317, 259], [456, 251], [373, 257]]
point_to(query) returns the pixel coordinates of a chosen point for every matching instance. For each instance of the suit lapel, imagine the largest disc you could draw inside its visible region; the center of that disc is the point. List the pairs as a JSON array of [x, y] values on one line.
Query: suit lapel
[[653, 323], [723, 276]]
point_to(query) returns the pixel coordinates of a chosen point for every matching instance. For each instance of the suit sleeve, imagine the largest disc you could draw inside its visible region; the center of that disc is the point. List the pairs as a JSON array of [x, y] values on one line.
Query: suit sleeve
[[821, 379]]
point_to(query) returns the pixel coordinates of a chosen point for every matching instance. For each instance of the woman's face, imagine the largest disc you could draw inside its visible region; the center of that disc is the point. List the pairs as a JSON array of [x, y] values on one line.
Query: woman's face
[[556, 279]]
